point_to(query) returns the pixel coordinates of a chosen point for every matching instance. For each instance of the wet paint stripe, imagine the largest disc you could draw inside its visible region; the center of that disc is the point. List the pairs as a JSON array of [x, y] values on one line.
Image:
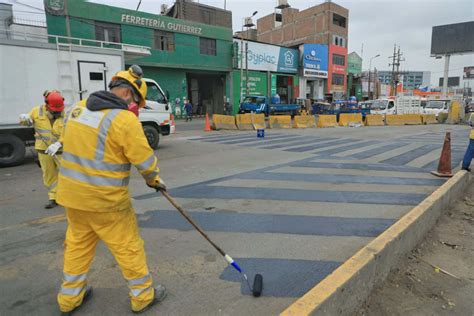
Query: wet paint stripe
[[346, 148], [215, 192], [456, 158], [255, 139], [233, 137], [355, 166], [282, 277], [306, 141], [411, 155], [276, 141], [338, 178], [317, 146], [376, 151], [269, 224]]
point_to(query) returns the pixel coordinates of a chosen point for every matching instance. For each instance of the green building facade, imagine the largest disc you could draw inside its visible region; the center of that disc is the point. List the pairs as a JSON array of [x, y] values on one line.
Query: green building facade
[[354, 70], [188, 59]]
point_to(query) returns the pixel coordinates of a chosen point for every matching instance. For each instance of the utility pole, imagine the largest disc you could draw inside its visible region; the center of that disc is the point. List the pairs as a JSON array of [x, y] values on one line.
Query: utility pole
[[396, 59]]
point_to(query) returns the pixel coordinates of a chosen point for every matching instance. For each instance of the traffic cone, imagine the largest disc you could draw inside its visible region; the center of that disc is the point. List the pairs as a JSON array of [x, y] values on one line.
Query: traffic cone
[[444, 166], [207, 127]]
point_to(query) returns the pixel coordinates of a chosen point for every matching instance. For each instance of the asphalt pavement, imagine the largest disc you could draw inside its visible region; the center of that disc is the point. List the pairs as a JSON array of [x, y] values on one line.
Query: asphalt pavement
[[292, 206]]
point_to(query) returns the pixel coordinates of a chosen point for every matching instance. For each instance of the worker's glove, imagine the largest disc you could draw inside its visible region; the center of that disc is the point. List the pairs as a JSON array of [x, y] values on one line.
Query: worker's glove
[[26, 119], [53, 148], [158, 185]]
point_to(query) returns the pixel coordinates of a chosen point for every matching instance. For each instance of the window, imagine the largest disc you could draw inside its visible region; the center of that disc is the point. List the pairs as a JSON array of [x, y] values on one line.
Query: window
[[107, 32], [339, 41], [163, 40], [96, 76], [337, 79], [338, 60], [208, 46], [154, 94], [338, 20]]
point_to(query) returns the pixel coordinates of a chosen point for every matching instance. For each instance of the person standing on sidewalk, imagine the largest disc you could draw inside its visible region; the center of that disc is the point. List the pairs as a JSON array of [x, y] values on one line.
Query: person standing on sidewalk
[[466, 163], [188, 108], [101, 140], [47, 120]]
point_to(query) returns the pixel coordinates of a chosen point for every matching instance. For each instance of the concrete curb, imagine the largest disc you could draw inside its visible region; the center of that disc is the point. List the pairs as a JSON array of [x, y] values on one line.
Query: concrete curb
[[344, 291]]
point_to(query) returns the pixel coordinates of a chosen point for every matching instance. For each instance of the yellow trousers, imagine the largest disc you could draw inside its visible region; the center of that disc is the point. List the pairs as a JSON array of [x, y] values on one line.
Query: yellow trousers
[[50, 167], [119, 231]]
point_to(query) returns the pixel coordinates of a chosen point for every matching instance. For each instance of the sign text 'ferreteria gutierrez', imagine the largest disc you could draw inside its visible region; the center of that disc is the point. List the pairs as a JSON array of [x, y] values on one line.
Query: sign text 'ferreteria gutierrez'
[[159, 24]]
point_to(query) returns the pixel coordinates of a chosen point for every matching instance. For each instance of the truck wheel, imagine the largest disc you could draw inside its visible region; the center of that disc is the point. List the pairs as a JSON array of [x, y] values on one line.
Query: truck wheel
[[152, 135], [12, 150]]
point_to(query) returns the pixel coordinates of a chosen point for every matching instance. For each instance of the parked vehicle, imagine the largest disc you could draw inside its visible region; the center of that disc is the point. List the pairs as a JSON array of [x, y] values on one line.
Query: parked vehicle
[[436, 107], [32, 66], [260, 104], [400, 105]]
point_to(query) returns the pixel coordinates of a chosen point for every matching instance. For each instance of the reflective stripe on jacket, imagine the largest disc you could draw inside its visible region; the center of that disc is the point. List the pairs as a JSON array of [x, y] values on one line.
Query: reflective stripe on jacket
[[98, 151], [45, 134], [471, 136]]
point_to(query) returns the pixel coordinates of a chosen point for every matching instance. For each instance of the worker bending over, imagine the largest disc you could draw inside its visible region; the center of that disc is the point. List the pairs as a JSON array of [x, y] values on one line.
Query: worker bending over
[[47, 120], [102, 139]]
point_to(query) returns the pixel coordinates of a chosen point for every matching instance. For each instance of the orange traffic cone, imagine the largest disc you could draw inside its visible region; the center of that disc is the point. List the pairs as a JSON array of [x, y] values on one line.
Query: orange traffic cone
[[444, 166], [207, 127]]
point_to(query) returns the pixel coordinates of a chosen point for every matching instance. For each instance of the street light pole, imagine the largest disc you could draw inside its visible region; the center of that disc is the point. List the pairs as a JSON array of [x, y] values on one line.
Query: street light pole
[[246, 24], [370, 69]]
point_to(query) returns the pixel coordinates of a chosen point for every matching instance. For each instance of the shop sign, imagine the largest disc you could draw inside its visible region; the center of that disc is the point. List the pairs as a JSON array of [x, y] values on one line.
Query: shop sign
[[257, 83], [54, 7], [266, 57], [161, 24], [315, 60]]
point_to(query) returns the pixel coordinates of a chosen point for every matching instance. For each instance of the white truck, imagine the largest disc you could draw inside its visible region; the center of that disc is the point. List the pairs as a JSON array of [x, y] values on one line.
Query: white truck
[[76, 68], [400, 105]]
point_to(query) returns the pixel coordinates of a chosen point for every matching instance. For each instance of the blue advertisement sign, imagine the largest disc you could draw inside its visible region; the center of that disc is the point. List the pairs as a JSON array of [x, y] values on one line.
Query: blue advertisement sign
[[315, 60]]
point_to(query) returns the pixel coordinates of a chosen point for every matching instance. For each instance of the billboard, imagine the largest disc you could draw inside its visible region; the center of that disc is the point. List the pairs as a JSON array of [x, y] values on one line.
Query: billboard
[[468, 73], [315, 60], [452, 39], [452, 81], [266, 57]]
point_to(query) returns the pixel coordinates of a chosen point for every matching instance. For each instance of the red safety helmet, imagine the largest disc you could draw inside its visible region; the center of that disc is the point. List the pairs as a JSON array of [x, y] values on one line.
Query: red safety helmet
[[54, 101]]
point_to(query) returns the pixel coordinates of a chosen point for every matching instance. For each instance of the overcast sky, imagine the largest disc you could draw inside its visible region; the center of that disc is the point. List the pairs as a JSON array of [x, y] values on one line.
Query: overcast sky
[[377, 24]]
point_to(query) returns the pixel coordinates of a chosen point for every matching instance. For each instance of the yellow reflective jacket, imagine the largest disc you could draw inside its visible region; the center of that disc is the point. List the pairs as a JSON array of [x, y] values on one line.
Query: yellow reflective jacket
[[45, 132], [99, 148], [471, 136]]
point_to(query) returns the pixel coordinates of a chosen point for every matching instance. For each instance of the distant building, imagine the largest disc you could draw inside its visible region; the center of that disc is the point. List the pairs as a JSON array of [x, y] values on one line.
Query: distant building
[[354, 75], [12, 27], [411, 79], [197, 12], [327, 24]]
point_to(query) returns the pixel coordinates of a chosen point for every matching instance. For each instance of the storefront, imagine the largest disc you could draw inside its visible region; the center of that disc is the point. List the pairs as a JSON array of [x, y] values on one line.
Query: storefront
[[188, 59], [269, 70], [337, 74], [314, 71]]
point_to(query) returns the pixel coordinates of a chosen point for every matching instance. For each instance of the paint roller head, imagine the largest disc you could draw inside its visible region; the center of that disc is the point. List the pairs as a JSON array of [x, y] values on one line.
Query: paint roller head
[[257, 285]]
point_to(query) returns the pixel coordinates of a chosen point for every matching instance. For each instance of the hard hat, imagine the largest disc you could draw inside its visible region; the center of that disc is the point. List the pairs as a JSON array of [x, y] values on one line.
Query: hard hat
[[54, 101], [133, 76]]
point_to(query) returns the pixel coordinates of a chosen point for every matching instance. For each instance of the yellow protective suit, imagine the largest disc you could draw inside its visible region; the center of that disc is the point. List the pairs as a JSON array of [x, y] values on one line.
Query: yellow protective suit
[[99, 148], [47, 131]]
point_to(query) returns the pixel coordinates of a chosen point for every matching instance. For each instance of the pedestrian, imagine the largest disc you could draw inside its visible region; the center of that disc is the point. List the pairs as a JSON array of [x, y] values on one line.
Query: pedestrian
[[188, 109], [101, 140], [47, 121], [466, 163]]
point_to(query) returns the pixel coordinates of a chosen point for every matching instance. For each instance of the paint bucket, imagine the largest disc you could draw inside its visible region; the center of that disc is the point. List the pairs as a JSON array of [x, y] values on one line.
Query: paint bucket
[[260, 133]]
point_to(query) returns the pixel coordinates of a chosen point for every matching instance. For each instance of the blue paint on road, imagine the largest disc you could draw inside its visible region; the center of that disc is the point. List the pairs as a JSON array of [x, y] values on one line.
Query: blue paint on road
[[355, 166], [405, 158], [281, 277], [346, 148], [255, 139], [306, 141], [263, 223], [376, 151], [339, 178], [200, 191], [276, 141], [317, 146]]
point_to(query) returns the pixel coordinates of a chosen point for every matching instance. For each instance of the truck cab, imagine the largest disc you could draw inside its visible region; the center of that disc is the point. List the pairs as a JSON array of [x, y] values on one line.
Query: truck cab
[[383, 106], [254, 104], [156, 115], [436, 107]]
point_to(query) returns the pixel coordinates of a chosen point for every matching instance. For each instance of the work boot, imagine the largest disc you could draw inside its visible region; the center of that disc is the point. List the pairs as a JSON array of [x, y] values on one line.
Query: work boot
[[160, 295], [87, 296], [467, 169], [51, 204]]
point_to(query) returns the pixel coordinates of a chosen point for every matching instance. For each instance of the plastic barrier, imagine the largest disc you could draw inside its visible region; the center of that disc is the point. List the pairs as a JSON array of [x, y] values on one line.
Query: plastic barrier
[[280, 121], [258, 121], [346, 119], [244, 121], [428, 119], [304, 121], [394, 120], [411, 119], [455, 113], [223, 122], [327, 121], [374, 120]]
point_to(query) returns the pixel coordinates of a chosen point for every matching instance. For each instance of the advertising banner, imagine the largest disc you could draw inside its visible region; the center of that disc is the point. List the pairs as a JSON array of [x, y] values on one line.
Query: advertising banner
[[266, 57], [468, 73], [315, 60]]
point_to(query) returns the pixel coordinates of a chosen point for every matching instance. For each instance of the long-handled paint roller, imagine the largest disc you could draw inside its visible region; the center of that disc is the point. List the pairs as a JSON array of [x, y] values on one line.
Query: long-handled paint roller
[[258, 280]]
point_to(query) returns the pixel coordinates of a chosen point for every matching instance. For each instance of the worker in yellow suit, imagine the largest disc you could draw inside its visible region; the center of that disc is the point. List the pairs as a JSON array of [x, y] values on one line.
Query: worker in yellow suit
[[47, 121], [102, 139]]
